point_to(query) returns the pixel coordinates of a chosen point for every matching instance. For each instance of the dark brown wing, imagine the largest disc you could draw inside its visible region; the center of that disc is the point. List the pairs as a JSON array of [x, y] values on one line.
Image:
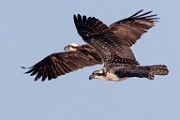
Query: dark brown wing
[[131, 29], [58, 64], [96, 33], [107, 44], [92, 28]]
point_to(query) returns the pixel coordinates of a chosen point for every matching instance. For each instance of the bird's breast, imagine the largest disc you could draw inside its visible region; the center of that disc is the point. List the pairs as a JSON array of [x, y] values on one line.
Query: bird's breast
[[113, 77]]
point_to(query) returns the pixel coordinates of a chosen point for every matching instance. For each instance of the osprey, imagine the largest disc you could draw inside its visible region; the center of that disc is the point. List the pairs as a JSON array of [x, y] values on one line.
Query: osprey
[[108, 45]]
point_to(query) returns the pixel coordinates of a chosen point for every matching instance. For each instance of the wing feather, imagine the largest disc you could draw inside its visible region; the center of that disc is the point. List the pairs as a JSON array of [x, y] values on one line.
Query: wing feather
[[132, 28], [44, 74], [58, 64], [108, 45], [96, 33], [92, 28]]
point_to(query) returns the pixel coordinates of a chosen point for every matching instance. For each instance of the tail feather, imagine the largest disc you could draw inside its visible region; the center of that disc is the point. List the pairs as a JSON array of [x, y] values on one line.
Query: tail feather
[[158, 70], [154, 70]]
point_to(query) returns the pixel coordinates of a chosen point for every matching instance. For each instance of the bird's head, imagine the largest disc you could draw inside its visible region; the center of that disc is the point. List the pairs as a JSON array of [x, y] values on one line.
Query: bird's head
[[71, 47], [98, 74], [103, 74]]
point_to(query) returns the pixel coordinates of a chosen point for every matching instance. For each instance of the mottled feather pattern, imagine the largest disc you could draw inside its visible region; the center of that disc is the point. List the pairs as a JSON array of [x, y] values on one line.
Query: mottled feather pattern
[[90, 27], [97, 34], [102, 39], [127, 70], [93, 29], [109, 45], [159, 70]]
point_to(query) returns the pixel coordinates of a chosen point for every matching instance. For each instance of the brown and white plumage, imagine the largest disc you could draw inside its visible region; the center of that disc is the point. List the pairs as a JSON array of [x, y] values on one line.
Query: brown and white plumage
[[108, 45], [118, 59], [121, 72], [126, 31]]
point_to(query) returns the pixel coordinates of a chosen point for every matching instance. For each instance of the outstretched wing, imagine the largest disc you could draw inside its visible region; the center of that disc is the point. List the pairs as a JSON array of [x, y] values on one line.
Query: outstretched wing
[[107, 44], [94, 32], [58, 64], [131, 28]]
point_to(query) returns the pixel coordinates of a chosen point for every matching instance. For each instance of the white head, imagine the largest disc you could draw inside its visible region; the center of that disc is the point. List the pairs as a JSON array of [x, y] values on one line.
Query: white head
[[71, 47], [105, 75], [98, 74]]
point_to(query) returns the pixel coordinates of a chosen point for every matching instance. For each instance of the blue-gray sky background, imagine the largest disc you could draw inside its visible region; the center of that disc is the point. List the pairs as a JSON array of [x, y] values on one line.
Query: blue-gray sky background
[[32, 29]]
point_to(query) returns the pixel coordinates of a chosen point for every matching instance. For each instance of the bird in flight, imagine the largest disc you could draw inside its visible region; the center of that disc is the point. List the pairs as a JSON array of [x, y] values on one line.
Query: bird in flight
[[108, 45]]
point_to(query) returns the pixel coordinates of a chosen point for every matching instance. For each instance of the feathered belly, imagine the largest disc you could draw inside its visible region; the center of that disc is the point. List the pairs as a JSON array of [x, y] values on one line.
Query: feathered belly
[[113, 77]]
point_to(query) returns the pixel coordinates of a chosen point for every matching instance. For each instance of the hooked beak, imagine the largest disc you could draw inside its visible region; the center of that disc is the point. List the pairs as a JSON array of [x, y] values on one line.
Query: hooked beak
[[91, 77], [66, 48]]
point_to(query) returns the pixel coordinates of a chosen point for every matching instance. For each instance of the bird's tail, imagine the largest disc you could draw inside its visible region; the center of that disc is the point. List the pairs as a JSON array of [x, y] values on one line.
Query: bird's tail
[[155, 70], [159, 70]]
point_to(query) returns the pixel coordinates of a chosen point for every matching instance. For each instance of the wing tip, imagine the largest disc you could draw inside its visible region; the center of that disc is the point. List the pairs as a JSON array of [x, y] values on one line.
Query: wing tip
[[144, 15]]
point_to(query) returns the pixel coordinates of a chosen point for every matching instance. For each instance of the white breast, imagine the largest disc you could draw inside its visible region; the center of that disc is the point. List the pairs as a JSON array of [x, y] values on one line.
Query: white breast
[[113, 77]]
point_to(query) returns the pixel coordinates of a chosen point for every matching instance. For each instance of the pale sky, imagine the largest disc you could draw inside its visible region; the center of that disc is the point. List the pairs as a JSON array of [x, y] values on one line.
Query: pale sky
[[32, 29]]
